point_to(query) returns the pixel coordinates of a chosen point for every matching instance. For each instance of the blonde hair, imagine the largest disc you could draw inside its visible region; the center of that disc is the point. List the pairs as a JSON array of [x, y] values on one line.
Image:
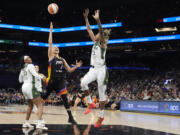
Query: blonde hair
[[106, 33]]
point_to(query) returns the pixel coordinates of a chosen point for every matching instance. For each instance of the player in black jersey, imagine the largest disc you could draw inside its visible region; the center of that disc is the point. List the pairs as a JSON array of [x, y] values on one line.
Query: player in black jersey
[[56, 75]]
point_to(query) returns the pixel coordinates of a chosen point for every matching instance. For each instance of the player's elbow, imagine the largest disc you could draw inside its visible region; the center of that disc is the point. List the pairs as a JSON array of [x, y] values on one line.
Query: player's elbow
[[70, 71], [20, 81]]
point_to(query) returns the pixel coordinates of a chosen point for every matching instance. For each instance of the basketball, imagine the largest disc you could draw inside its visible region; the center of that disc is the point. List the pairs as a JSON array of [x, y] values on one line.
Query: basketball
[[53, 8]]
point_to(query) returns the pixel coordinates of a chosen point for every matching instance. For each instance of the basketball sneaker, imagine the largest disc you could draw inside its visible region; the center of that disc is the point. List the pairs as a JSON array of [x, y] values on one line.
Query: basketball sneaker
[[72, 121], [36, 122], [89, 109], [27, 125], [98, 122], [41, 126]]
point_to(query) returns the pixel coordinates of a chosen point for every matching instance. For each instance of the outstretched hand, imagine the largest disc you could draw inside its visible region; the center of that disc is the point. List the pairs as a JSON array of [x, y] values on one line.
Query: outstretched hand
[[96, 15], [79, 64], [43, 77], [86, 12]]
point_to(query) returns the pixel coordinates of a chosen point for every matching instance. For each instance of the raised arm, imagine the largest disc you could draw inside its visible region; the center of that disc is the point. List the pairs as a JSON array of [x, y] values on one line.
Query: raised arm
[[21, 77], [32, 70], [91, 34], [96, 17], [50, 42], [69, 69]]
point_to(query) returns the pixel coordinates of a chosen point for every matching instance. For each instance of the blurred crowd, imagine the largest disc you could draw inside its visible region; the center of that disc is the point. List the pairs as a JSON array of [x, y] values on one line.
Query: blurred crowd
[[11, 96], [123, 85]]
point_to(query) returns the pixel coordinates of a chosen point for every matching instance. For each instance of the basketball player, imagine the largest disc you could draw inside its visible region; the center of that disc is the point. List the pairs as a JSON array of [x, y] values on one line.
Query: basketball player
[[40, 89], [30, 90], [56, 75], [39, 82], [98, 71], [80, 97]]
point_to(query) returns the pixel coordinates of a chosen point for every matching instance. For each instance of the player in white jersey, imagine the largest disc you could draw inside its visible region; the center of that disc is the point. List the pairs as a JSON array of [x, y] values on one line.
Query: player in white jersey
[[38, 82], [98, 71], [38, 85], [30, 90]]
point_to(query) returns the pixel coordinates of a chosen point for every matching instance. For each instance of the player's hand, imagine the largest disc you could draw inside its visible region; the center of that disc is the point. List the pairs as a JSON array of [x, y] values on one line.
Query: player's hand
[[107, 31], [86, 13], [51, 25], [43, 77], [79, 64], [96, 15]]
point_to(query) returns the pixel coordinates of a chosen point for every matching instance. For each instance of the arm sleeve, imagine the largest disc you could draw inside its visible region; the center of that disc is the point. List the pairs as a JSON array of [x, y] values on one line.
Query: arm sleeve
[[32, 70], [21, 77]]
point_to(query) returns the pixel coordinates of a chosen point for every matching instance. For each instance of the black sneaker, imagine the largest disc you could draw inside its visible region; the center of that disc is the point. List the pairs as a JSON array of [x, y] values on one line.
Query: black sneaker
[[72, 121]]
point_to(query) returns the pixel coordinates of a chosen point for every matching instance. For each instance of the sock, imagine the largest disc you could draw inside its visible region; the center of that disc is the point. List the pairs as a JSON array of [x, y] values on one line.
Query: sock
[[69, 113], [27, 121], [39, 121], [89, 99], [101, 113]]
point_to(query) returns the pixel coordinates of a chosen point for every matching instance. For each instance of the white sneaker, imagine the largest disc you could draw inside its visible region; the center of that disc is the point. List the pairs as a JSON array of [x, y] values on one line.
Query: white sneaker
[[27, 125], [37, 121], [27, 130], [41, 126]]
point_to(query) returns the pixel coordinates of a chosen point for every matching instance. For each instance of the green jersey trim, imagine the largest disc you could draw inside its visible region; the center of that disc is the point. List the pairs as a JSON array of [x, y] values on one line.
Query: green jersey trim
[[35, 93]]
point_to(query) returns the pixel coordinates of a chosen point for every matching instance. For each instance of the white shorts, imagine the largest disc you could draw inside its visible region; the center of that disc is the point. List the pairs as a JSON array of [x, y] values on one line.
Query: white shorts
[[29, 91], [99, 74]]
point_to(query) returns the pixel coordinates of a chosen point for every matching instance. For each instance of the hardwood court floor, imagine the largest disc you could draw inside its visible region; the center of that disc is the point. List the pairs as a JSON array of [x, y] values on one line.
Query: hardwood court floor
[[117, 122]]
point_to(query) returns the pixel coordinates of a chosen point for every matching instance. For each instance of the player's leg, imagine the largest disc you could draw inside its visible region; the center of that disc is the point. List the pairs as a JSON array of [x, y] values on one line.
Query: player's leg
[[76, 102], [29, 109], [26, 89], [102, 81], [28, 115], [38, 102], [62, 91], [84, 99], [67, 106], [88, 78], [49, 88]]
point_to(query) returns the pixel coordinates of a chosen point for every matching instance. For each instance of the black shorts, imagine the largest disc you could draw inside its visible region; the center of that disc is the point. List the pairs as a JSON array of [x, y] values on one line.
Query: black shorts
[[58, 85]]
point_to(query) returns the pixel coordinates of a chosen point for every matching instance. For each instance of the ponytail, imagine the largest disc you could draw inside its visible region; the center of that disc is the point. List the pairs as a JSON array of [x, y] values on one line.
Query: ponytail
[[106, 33]]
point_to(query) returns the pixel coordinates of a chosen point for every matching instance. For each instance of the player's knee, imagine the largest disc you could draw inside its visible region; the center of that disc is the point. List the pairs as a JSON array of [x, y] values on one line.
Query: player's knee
[[102, 89], [84, 85], [30, 106]]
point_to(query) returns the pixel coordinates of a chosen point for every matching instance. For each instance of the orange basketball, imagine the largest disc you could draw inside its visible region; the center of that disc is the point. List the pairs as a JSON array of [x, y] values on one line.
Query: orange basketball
[[53, 8]]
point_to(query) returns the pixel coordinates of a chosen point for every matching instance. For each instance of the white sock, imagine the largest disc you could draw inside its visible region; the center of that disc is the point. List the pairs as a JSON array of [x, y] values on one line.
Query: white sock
[[27, 121], [39, 121], [89, 99], [101, 113]]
